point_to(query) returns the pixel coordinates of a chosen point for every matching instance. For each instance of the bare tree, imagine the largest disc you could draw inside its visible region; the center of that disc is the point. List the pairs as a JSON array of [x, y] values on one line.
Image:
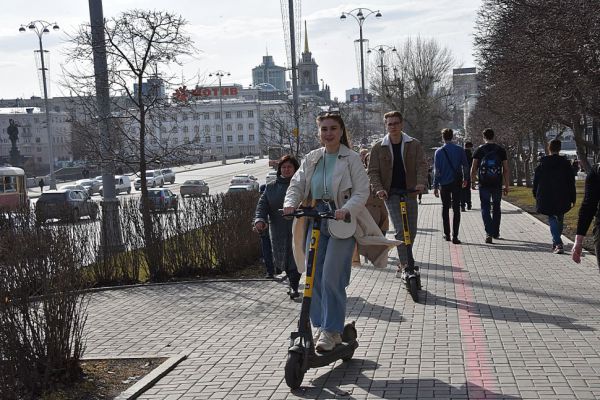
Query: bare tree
[[138, 44]]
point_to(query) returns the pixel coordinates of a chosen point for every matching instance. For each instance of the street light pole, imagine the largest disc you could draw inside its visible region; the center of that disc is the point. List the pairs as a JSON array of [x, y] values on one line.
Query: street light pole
[[40, 27], [382, 49], [360, 18], [220, 74]]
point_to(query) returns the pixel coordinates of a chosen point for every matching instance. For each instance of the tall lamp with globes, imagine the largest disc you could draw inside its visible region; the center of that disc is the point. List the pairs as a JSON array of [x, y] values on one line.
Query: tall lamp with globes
[[220, 74], [381, 49], [360, 15], [40, 28]]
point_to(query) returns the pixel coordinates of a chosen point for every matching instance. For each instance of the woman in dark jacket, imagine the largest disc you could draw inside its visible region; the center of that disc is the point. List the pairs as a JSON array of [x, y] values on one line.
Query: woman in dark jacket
[[269, 217], [554, 191], [589, 210]]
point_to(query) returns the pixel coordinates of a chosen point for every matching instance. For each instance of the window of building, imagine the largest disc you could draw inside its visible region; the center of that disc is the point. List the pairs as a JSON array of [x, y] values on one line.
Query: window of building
[[240, 138], [240, 127], [206, 115], [251, 126], [218, 139], [174, 129], [227, 114], [196, 116], [184, 116], [207, 139], [228, 128], [186, 140], [185, 129], [196, 129], [163, 129], [217, 115], [218, 128], [250, 113], [38, 140], [175, 140], [251, 138], [207, 128], [230, 138], [196, 138], [239, 114]]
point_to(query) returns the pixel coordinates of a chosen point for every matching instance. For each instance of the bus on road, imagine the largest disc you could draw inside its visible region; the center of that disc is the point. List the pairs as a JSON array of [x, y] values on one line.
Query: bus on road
[[275, 153], [13, 189]]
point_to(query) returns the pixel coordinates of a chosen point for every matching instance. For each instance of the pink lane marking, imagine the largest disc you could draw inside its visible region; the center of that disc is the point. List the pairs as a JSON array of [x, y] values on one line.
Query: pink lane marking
[[481, 382]]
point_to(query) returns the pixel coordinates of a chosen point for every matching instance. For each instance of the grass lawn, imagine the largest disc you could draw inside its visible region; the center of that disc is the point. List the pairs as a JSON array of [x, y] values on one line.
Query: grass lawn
[[522, 197]]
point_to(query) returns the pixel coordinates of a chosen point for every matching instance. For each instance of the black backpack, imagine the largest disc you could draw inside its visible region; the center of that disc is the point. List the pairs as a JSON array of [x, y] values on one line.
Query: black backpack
[[490, 169]]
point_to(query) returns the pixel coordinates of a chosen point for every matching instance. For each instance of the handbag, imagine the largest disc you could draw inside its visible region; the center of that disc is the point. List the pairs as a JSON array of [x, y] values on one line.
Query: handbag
[[343, 229]]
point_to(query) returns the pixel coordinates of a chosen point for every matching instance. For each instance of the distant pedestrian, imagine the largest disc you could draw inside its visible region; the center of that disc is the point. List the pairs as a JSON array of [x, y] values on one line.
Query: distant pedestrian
[[266, 249], [269, 217], [465, 200], [490, 170], [450, 170], [554, 191], [575, 167], [589, 208], [41, 184]]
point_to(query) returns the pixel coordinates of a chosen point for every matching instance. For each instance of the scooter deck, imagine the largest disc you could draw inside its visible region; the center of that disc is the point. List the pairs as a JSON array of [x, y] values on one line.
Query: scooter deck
[[340, 351]]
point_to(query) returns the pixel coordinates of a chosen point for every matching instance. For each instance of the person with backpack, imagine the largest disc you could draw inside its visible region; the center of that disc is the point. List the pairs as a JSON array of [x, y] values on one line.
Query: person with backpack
[[490, 171], [554, 191], [451, 170]]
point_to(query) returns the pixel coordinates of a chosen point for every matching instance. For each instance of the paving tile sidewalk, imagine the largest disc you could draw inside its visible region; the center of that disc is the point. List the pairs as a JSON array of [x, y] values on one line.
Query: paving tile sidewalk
[[509, 320]]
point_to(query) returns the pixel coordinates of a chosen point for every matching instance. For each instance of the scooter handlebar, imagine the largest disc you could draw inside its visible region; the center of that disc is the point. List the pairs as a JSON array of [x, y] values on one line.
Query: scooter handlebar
[[402, 192], [313, 213]]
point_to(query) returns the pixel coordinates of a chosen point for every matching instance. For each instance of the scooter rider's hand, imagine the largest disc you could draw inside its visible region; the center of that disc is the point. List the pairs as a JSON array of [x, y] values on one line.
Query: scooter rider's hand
[[382, 194], [288, 210], [341, 214]]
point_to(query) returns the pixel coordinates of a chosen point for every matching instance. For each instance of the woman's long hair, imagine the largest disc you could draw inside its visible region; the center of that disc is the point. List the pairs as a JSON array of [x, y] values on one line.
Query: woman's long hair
[[337, 118]]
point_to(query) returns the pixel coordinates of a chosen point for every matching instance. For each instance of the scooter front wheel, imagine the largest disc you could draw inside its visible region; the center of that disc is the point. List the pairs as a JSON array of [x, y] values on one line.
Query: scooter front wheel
[[293, 370], [413, 288]]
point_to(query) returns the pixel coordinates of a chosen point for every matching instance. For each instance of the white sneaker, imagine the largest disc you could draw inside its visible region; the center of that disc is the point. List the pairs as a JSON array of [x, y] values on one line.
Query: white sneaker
[[317, 335], [328, 341]]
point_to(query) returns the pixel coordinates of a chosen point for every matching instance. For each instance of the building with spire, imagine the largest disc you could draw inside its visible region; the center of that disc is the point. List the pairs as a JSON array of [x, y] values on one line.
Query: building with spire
[[308, 76]]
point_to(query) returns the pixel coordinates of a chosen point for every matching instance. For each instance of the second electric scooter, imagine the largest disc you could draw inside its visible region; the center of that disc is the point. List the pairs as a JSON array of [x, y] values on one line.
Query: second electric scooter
[[302, 354], [411, 275]]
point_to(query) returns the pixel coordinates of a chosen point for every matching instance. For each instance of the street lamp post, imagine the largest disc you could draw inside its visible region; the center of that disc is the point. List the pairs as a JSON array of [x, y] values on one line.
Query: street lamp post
[[220, 74], [360, 18], [382, 49], [40, 27]]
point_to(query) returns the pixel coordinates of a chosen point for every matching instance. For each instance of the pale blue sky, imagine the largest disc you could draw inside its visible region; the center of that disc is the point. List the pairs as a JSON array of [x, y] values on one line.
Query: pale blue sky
[[233, 35]]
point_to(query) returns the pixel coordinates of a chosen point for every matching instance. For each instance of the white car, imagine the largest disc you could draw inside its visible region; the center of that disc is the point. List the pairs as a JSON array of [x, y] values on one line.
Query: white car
[[168, 175], [240, 188], [154, 178], [245, 179], [249, 160], [271, 176]]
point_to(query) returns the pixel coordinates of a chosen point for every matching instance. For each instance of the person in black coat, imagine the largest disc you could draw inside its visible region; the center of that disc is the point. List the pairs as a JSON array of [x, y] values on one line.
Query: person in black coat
[[269, 217], [554, 191], [589, 210]]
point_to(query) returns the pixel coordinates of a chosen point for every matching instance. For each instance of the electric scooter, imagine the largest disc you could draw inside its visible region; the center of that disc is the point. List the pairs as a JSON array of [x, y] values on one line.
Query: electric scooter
[[411, 275], [302, 354]]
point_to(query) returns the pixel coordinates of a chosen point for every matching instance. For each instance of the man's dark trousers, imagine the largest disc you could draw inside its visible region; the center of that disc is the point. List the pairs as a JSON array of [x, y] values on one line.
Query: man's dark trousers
[[451, 195], [491, 223]]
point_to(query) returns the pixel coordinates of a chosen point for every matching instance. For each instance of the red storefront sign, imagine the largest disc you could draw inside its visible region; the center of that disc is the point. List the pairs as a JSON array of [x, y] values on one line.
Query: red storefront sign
[[185, 94]]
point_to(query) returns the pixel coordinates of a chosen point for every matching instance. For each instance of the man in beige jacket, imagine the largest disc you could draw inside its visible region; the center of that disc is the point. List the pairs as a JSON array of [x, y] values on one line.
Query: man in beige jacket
[[397, 162]]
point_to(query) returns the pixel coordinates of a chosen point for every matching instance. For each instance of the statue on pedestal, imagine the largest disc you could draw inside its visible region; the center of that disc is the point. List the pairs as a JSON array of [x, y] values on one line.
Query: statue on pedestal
[[13, 135]]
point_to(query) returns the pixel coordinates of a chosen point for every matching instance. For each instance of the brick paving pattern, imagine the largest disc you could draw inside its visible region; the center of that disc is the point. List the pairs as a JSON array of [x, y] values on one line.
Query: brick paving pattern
[[509, 320]]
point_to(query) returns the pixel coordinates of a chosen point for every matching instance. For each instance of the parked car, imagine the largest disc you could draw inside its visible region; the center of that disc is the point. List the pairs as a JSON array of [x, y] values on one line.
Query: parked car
[[73, 187], [249, 160], [271, 176], [240, 188], [194, 188], [161, 200], [91, 185], [245, 179], [122, 185], [65, 204], [168, 175], [154, 178]]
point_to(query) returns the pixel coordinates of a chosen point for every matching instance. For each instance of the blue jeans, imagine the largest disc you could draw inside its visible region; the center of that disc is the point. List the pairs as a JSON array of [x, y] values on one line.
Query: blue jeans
[[556, 228], [491, 223], [330, 279]]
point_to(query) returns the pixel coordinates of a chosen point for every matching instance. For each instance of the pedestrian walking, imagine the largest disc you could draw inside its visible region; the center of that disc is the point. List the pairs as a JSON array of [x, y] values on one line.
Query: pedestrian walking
[[465, 200], [451, 169], [554, 191], [429, 182], [41, 185], [590, 207], [331, 177], [397, 162], [269, 219], [265, 247], [490, 171]]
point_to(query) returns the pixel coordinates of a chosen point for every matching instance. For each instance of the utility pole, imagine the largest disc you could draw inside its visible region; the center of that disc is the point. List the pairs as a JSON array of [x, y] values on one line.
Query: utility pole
[[294, 76], [111, 237]]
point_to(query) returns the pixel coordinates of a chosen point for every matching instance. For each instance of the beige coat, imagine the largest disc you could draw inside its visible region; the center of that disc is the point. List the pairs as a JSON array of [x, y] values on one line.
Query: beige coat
[[350, 186], [381, 164]]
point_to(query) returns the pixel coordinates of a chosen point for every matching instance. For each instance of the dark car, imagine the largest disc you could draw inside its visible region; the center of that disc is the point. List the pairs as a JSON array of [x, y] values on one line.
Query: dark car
[[66, 205], [194, 188], [162, 200]]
